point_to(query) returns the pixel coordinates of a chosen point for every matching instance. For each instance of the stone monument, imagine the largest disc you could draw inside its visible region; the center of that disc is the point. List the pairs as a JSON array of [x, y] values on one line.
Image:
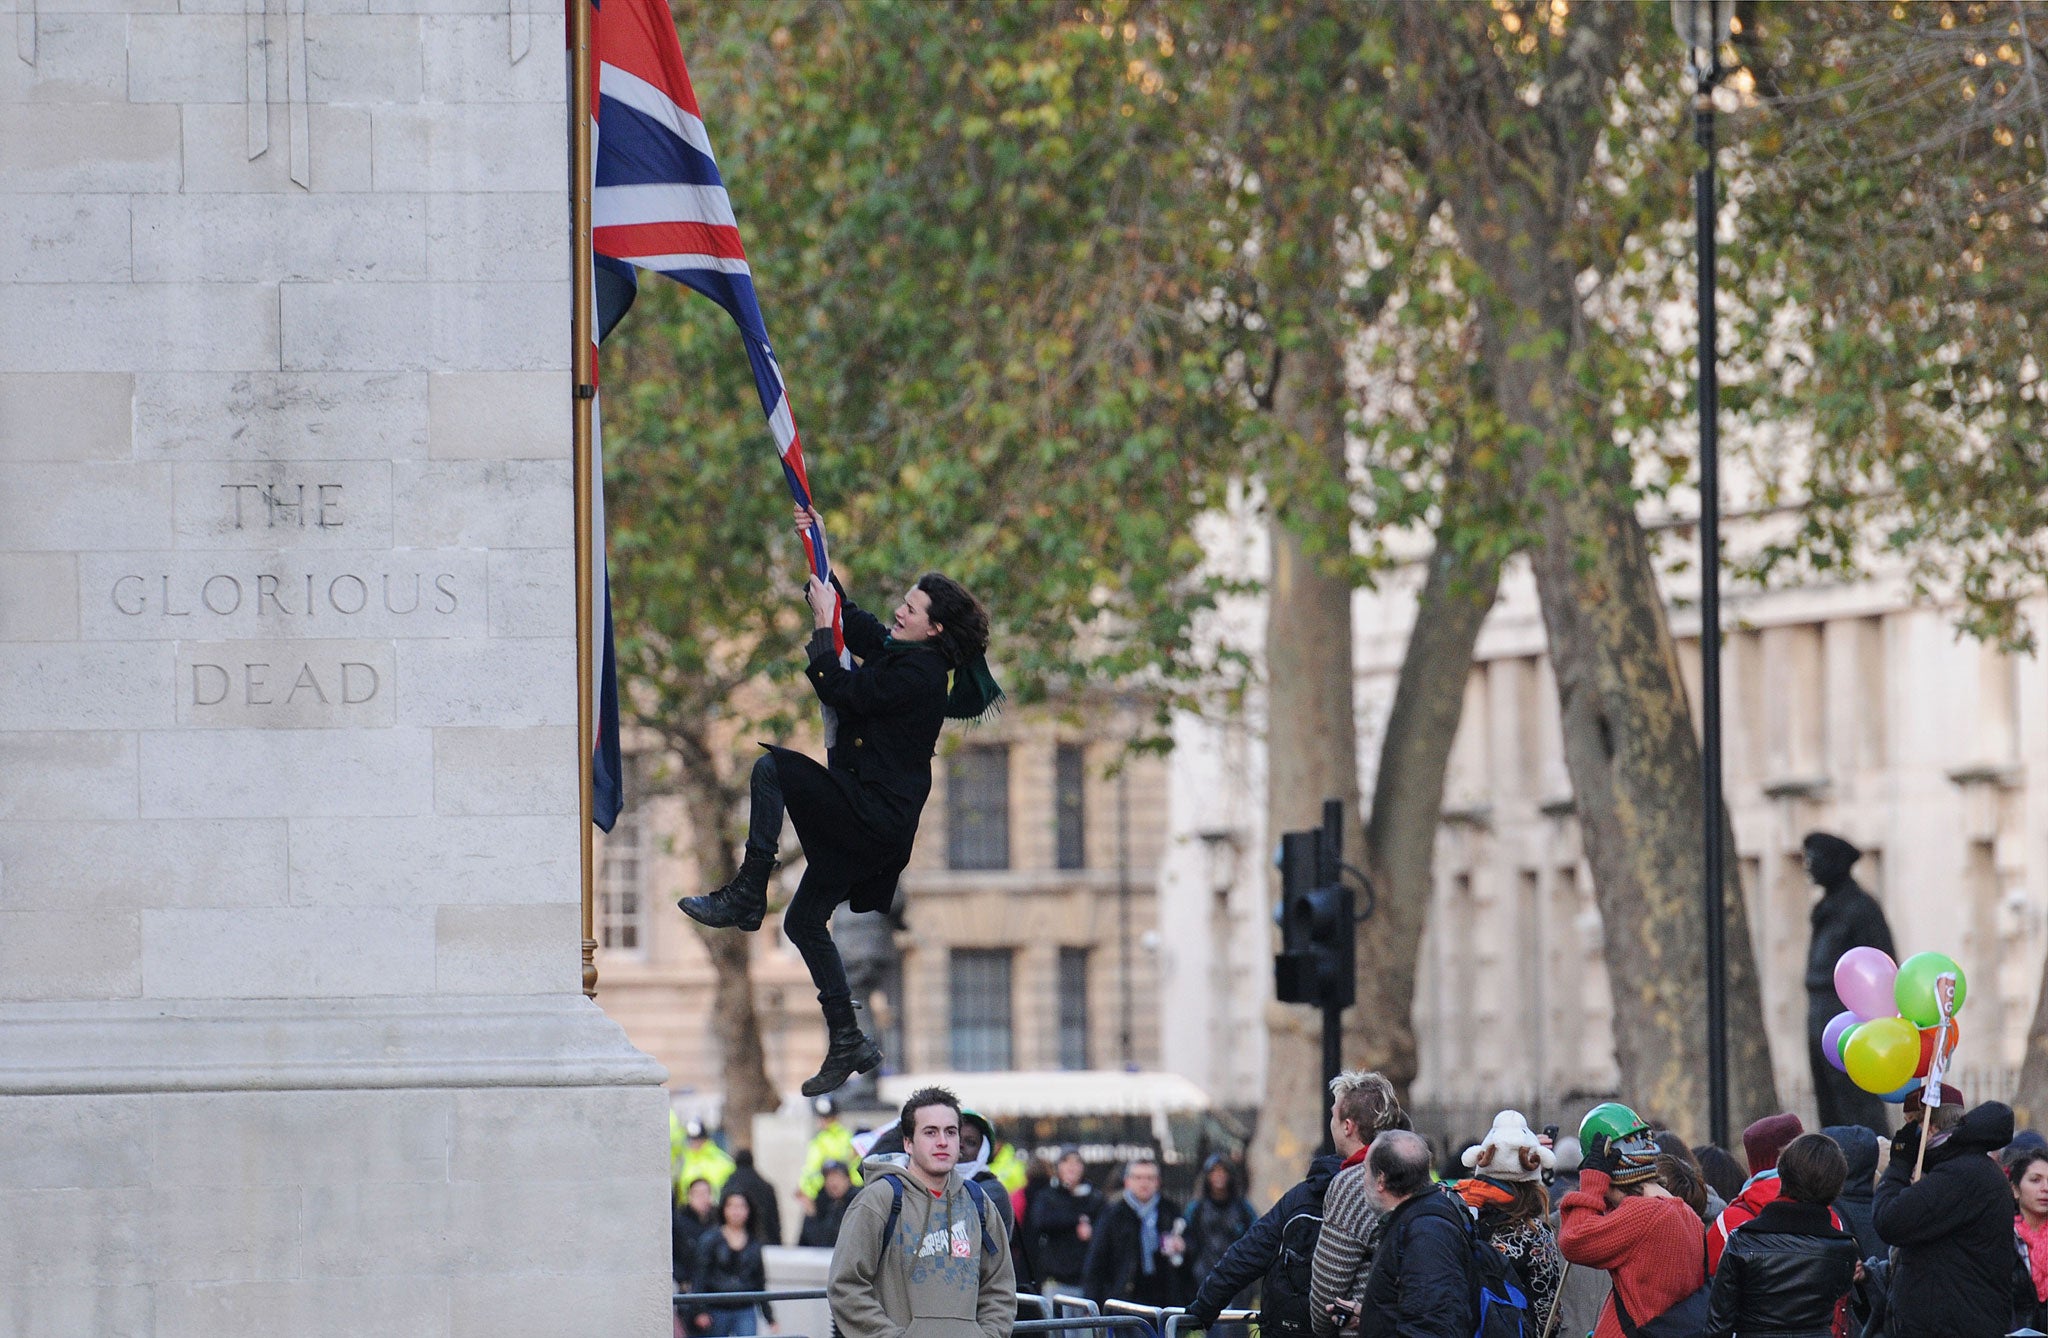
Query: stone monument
[[292, 1039]]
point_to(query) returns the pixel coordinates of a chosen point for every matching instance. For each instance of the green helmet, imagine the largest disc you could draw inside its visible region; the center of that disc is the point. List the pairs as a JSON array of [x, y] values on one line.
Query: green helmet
[[1613, 1119]]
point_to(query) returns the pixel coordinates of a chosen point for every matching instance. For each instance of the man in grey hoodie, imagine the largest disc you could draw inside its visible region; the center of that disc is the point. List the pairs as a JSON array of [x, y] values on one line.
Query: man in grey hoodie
[[923, 1252]]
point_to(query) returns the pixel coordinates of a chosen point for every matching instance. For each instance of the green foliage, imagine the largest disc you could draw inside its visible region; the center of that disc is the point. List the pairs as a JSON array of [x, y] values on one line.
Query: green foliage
[[970, 226], [1892, 251]]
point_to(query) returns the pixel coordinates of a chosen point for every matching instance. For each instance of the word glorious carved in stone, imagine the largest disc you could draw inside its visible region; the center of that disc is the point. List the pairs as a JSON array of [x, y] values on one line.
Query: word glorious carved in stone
[[297, 595]]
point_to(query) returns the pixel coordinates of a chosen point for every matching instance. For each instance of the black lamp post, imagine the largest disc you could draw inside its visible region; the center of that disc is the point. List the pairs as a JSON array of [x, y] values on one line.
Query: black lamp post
[[1703, 25]]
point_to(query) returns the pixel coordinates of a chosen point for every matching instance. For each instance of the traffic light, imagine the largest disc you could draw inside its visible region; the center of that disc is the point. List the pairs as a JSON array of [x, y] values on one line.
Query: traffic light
[[1318, 961]]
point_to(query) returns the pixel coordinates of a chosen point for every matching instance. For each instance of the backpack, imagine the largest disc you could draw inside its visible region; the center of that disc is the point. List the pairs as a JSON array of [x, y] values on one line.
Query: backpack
[[1285, 1303], [1500, 1308], [974, 1191], [1686, 1319]]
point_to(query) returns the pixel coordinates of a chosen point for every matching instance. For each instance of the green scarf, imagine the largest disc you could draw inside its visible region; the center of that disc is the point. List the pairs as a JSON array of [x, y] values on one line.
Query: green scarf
[[975, 693]]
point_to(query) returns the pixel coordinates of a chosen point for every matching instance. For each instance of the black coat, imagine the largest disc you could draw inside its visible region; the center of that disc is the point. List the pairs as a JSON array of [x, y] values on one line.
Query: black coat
[[1051, 1241], [1115, 1252], [1782, 1273], [1952, 1270], [1255, 1252], [1421, 1280], [721, 1268], [686, 1231], [761, 1198], [822, 1226], [1213, 1228], [857, 815], [1854, 1204]]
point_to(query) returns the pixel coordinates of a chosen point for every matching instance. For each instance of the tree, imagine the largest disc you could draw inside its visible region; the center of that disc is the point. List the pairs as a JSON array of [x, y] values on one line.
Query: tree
[[965, 223], [1892, 267], [1518, 105]]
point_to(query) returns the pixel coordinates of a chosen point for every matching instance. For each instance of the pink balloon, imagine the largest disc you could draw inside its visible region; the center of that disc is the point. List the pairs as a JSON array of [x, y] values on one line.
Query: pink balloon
[[1864, 978], [1831, 1038]]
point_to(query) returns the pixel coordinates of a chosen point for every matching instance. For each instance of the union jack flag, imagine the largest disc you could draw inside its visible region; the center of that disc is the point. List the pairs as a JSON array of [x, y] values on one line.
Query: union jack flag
[[659, 204]]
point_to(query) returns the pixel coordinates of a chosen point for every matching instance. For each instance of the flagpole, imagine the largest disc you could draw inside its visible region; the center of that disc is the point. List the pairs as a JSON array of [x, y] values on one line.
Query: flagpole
[[585, 391]]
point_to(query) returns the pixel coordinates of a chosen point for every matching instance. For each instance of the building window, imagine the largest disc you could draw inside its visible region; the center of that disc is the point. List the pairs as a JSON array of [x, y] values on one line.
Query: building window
[[1073, 1008], [621, 887], [981, 1009], [1070, 782], [978, 808]]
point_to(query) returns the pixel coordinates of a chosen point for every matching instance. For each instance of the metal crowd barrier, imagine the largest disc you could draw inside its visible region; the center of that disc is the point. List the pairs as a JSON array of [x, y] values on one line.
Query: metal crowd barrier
[[1177, 1321], [1129, 1323], [721, 1300]]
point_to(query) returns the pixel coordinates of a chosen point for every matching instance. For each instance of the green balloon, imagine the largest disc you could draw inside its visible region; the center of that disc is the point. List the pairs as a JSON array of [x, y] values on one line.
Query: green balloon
[[1842, 1042], [1914, 992]]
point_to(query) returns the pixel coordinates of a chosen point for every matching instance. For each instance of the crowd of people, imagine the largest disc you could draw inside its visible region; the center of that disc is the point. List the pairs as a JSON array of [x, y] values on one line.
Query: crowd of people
[[1625, 1231]]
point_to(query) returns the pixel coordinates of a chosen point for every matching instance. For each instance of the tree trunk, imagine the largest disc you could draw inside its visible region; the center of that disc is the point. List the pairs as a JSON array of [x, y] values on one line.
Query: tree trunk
[[1311, 728], [2030, 1102], [1513, 179], [1407, 802], [731, 1019]]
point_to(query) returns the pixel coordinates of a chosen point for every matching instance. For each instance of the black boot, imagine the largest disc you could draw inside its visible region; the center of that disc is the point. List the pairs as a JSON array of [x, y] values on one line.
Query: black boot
[[851, 1052], [740, 903]]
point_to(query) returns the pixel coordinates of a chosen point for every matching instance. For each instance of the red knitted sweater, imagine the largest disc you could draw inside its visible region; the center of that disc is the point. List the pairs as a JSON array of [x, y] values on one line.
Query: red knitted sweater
[[1653, 1248]]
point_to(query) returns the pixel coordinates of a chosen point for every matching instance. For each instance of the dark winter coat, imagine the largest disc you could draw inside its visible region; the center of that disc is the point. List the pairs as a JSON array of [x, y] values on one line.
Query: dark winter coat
[[686, 1230], [760, 1197], [721, 1268], [1859, 1145], [1782, 1274], [1213, 1227], [1115, 1251], [857, 815], [1051, 1241], [1247, 1261], [1421, 1280], [822, 1226], [1952, 1270]]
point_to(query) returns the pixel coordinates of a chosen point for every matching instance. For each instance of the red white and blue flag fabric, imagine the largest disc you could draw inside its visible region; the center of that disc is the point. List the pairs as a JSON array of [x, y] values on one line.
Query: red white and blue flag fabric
[[660, 204]]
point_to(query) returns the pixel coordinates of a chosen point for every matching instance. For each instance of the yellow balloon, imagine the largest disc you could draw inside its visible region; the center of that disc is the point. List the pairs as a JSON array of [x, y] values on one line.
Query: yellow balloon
[[1882, 1054]]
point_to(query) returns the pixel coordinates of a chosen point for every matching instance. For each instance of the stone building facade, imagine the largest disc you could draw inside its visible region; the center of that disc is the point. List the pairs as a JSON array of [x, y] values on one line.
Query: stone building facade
[[1029, 935], [1853, 708]]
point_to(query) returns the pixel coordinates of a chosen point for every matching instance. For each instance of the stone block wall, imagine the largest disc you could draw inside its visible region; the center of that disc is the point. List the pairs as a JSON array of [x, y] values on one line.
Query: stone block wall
[[291, 1032]]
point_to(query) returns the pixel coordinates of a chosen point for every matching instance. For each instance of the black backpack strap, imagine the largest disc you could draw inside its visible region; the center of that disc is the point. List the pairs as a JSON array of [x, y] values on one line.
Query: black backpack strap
[[1628, 1326], [896, 1212], [980, 1197], [974, 1191]]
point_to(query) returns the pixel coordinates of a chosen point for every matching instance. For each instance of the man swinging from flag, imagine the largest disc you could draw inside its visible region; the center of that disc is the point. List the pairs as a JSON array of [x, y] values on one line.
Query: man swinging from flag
[[658, 203], [857, 814]]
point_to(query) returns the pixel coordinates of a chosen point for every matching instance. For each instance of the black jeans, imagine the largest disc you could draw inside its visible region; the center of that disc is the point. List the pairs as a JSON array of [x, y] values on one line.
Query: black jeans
[[808, 919]]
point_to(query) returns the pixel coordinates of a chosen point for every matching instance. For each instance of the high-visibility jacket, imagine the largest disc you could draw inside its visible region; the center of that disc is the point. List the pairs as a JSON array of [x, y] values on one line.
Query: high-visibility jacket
[[706, 1161], [834, 1142], [1008, 1166]]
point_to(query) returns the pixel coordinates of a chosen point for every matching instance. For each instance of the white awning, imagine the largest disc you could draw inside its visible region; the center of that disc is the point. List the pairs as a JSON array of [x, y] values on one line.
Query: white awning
[[1058, 1092]]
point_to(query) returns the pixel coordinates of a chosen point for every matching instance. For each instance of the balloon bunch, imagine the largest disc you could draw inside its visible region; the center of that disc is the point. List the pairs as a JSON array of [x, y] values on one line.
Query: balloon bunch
[[1895, 1026]]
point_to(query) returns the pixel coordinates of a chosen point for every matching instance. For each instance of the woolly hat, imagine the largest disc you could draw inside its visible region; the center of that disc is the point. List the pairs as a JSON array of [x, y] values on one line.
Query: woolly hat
[[1510, 1152], [1638, 1153], [1764, 1140], [1828, 857], [1916, 1100]]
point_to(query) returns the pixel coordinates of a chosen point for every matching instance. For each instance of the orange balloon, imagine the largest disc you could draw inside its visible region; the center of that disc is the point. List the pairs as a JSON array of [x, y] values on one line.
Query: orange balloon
[[1928, 1036]]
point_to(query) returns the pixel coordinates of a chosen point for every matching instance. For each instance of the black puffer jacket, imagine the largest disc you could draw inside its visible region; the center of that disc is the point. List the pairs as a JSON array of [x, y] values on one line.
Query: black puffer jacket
[[1853, 1205], [1421, 1280], [1782, 1274], [1247, 1261], [1952, 1270]]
